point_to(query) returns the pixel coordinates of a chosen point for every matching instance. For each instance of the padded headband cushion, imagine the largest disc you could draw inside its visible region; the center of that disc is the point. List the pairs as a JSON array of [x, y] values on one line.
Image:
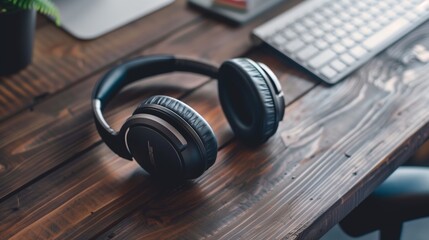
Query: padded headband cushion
[[201, 127], [247, 100]]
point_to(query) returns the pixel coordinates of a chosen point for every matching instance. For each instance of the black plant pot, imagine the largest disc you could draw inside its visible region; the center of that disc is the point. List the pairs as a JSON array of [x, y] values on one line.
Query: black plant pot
[[16, 41]]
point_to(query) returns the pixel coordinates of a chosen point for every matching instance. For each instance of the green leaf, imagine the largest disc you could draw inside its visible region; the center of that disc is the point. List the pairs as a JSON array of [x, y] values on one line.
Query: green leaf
[[45, 7]]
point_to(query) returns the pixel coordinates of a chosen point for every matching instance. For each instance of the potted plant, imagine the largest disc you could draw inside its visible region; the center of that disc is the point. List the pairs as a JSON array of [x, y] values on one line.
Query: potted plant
[[17, 24]]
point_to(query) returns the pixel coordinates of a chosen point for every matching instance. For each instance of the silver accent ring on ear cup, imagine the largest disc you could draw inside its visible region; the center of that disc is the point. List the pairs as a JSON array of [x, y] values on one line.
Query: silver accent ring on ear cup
[[169, 126], [144, 119], [126, 142]]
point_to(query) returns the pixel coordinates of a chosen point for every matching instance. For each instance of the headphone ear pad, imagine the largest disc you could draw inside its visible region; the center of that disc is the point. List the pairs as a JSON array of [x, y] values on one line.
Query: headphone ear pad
[[195, 120], [247, 100]]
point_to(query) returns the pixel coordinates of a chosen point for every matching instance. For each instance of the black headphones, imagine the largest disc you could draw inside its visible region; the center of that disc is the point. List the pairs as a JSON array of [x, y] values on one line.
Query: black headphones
[[170, 139]]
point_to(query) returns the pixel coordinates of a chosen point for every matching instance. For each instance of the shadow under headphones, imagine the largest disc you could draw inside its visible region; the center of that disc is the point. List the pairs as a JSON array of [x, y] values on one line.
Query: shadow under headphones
[[170, 139]]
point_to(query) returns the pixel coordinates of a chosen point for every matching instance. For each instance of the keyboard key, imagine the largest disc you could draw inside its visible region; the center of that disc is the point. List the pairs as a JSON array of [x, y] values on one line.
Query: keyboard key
[[307, 38], [335, 21], [322, 58], [347, 58], [358, 52], [326, 27], [339, 48], [345, 3], [327, 12], [361, 6], [348, 42], [382, 6], [357, 22], [299, 27], [317, 32], [307, 52], [321, 44], [279, 40], [374, 12], [344, 16], [365, 31], [338, 65], [411, 16], [340, 33], [383, 20], [330, 38], [357, 36], [406, 5], [354, 11], [337, 7], [349, 27], [308, 22], [390, 14], [389, 31], [328, 72], [289, 33], [399, 9], [366, 17], [318, 17], [294, 45]]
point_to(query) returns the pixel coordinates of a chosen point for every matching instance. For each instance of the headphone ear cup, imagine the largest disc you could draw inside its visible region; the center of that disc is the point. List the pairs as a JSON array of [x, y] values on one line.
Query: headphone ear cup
[[247, 100], [193, 119]]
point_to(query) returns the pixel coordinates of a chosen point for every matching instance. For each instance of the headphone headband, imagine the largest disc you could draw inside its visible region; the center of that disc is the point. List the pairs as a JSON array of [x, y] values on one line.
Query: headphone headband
[[143, 67], [129, 72]]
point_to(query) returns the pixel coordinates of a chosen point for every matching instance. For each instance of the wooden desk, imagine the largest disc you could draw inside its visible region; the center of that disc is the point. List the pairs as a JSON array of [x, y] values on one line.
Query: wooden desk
[[335, 145]]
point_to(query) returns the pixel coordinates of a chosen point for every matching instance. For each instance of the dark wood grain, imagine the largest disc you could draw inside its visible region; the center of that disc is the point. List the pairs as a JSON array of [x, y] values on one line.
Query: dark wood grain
[[41, 21], [334, 147], [204, 100], [74, 108], [67, 117]]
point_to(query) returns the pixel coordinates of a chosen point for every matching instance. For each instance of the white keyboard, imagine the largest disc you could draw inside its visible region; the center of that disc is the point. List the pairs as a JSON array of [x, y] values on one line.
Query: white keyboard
[[332, 38]]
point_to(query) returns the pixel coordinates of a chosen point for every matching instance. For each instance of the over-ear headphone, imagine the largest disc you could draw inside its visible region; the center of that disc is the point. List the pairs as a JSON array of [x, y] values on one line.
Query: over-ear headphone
[[170, 139]]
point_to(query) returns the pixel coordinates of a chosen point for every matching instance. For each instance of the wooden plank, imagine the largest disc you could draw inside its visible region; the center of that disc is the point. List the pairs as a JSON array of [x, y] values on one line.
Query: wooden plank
[[313, 139], [60, 60], [41, 21], [72, 111], [355, 134], [78, 186], [314, 126], [185, 209], [26, 212], [246, 184]]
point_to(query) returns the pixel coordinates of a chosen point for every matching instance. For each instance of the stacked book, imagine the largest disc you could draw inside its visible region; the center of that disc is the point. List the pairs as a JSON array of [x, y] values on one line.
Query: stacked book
[[239, 5]]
